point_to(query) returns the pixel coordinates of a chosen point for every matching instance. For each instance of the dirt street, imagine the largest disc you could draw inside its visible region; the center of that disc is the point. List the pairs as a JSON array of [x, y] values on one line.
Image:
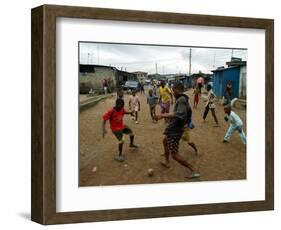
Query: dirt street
[[216, 161]]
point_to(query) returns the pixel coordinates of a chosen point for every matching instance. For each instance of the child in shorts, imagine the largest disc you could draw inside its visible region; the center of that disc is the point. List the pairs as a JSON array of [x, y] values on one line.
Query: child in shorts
[[134, 104], [115, 116], [174, 130], [210, 105], [152, 102]]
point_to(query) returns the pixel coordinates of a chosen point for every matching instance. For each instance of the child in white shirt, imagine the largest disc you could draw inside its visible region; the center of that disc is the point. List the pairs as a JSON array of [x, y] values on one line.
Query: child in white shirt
[[134, 104], [211, 105], [236, 124]]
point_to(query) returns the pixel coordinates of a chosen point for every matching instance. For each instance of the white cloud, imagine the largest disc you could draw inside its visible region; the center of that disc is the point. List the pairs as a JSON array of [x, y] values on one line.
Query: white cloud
[[169, 59]]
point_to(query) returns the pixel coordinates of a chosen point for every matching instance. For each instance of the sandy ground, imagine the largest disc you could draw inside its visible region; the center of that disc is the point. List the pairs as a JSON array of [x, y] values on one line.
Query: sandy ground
[[216, 161]]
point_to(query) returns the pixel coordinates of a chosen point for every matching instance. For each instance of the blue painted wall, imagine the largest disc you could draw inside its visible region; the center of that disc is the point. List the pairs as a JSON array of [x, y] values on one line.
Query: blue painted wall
[[221, 78]]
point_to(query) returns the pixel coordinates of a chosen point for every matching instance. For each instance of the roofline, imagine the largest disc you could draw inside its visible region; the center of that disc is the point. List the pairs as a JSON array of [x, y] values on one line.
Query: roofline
[[232, 67], [94, 65], [139, 72]]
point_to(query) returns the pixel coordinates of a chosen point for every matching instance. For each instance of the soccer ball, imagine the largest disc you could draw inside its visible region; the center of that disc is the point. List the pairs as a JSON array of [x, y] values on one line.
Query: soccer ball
[[150, 172]]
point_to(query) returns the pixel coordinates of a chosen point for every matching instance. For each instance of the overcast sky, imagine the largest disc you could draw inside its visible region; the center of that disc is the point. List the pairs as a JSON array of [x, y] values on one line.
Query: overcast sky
[[169, 59]]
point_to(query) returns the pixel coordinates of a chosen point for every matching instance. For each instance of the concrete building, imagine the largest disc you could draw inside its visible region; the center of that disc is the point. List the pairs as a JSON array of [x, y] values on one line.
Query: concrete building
[[93, 76], [142, 76], [123, 76]]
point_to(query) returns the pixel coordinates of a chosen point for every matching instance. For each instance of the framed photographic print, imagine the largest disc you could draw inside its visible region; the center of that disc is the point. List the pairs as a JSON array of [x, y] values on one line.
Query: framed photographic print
[[141, 114]]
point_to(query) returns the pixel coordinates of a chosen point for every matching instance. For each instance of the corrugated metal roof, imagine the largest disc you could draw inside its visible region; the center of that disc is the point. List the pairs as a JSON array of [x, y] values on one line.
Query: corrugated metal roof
[[222, 69]]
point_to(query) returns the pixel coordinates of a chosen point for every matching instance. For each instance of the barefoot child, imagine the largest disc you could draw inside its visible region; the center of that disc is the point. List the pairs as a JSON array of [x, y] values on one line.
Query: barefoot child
[[152, 101], [210, 105], [236, 124], [134, 103], [175, 129], [115, 117]]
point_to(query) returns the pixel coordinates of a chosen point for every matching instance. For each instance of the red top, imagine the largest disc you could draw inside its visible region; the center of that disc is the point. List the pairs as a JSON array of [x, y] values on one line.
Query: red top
[[200, 80], [115, 119]]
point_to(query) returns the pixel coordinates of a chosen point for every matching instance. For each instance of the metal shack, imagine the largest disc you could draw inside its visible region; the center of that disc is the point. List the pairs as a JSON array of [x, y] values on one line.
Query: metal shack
[[235, 74]]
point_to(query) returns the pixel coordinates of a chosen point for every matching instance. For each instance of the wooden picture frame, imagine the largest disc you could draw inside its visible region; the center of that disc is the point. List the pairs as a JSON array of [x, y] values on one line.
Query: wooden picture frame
[[43, 206]]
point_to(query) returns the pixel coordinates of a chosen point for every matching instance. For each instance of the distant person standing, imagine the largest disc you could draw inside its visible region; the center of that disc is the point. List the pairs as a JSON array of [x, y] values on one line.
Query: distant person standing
[[200, 83], [228, 93], [105, 86], [210, 105], [196, 94], [166, 97], [152, 102], [142, 87]]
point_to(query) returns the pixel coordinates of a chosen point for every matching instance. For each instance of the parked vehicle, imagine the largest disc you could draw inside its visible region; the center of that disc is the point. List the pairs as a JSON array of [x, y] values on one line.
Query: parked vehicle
[[132, 85], [147, 82]]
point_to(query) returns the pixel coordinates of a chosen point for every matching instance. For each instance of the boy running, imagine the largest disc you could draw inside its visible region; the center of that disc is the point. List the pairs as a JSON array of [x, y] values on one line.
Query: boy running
[[134, 103], [115, 117], [236, 124], [175, 129], [210, 105], [152, 101]]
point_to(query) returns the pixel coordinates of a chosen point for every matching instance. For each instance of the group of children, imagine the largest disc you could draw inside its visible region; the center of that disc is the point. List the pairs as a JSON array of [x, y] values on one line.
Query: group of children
[[179, 121], [236, 123]]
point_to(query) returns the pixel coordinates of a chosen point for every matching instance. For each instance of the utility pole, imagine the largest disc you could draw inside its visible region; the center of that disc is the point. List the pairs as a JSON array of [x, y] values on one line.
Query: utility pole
[[214, 60], [189, 61], [156, 68]]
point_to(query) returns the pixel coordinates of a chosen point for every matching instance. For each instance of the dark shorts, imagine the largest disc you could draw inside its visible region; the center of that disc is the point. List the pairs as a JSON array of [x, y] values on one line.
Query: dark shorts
[[173, 143], [152, 107], [119, 133]]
